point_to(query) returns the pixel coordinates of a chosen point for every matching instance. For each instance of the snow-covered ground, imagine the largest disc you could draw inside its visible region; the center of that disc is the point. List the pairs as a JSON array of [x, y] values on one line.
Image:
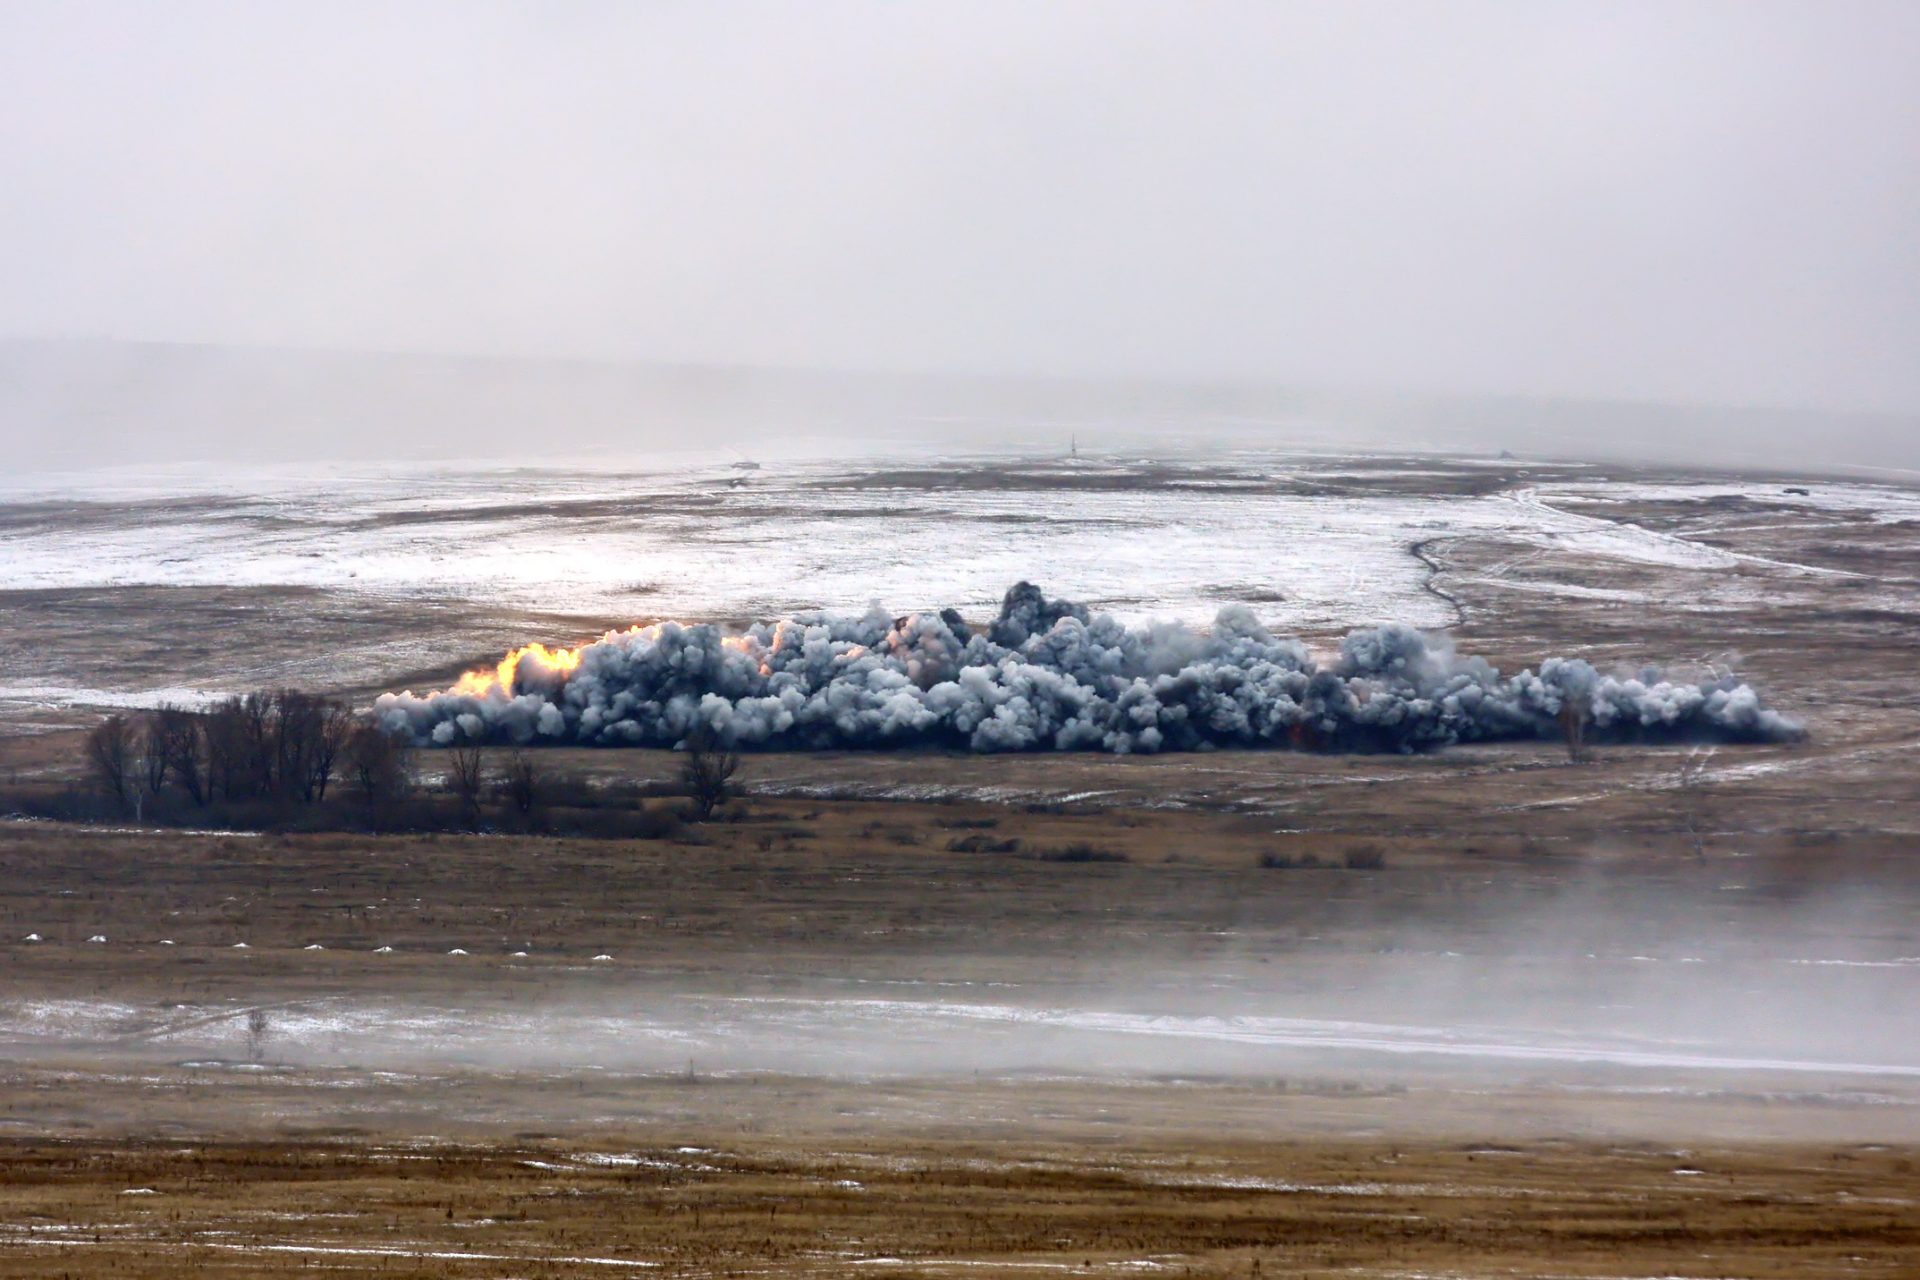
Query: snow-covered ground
[[1316, 544], [1883, 503], [678, 541], [683, 544], [883, 1036]]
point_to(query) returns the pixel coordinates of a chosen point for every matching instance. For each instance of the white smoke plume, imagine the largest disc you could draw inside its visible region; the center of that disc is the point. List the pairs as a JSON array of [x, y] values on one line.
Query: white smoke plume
[[1047, 675]]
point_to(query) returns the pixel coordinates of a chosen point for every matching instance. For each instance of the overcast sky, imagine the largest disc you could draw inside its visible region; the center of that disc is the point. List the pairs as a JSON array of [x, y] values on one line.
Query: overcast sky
[[1668, 200]]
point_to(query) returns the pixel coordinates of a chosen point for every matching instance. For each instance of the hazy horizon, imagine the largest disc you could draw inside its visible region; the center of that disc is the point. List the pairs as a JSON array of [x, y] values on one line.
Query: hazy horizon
[[85, 404], [1377, 204]]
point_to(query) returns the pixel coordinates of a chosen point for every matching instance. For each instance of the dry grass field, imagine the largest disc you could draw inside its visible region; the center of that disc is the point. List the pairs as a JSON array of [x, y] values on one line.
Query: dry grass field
[[1476, 1013], [947, 1207], [149, 1138]]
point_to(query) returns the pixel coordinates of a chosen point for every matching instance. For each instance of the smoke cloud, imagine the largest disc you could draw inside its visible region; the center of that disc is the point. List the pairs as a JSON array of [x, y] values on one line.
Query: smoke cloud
[[1049, 675]]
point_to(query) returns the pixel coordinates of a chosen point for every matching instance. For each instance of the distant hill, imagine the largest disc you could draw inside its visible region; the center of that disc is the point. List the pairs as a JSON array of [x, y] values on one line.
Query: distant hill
[[91, 403]]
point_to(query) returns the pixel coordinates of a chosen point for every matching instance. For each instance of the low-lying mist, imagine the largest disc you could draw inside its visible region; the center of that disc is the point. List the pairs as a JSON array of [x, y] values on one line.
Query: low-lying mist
[[1594, 984], [91, 404]]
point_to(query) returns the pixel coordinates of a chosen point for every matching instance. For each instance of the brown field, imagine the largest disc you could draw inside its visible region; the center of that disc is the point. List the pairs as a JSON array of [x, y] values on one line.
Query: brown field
[[441, 1160], [941, 1207], [766, 1075]]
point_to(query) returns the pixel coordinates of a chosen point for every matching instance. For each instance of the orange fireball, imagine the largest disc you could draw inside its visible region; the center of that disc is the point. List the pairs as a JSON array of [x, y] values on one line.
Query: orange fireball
[[479, 683]]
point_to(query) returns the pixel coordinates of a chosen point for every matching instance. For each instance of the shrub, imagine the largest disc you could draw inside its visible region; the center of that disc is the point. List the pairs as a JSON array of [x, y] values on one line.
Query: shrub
[[466, 779], [706, 772], [982, 844], [1080, 852], [521, 784]]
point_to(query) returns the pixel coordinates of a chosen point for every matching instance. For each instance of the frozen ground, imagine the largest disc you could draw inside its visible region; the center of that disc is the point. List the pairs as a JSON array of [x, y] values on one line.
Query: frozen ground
[[1540, 958], [839, 1037], [1315, 544], [683, 543]]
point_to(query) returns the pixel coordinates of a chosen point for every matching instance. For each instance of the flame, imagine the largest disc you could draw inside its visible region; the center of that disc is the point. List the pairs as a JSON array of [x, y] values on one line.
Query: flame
[[479, 683], [563, 662]]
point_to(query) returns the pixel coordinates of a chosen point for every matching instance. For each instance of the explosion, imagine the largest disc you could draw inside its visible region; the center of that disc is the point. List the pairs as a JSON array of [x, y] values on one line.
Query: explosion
[[1048, 675], [547, 665]]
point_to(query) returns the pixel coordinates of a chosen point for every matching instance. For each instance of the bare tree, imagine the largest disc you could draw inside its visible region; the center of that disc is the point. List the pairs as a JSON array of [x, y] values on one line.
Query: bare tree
[[182, 750], [334, 727], [282, 743], [293, 728], [1692, 785], [153, 754], [467, 778], [243, 729], [308, 730], [520, 783], [706, 771], [259, 751], [111, 747], [376, 762], [230, 770]]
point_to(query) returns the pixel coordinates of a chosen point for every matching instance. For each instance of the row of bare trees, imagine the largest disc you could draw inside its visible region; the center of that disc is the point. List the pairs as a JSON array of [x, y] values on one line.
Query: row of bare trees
[[707, 767], [281, 745], [516, 781], [285, 748]]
